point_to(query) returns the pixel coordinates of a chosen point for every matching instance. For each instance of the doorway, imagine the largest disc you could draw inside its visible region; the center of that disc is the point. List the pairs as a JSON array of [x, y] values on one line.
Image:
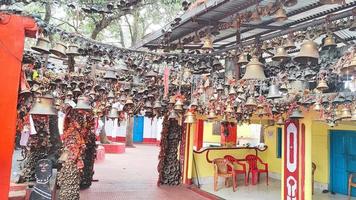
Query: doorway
[[342, 160]]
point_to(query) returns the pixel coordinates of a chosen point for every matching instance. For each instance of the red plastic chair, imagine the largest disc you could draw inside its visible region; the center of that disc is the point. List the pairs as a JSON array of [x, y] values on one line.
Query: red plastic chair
[[253, 166], [237, 171]]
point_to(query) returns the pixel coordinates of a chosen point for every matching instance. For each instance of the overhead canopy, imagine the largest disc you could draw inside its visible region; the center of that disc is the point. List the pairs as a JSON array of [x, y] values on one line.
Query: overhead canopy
[[220, 15]]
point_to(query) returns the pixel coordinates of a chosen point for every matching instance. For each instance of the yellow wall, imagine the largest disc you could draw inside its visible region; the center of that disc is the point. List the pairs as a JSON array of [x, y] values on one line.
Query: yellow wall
[[208, 134]]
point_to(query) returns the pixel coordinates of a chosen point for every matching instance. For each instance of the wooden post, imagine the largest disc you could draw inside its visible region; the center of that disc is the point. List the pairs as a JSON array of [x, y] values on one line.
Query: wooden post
[[129, 131]]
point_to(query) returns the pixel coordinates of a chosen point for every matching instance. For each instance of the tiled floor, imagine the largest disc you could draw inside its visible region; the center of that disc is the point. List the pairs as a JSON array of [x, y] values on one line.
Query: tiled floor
[[261, 191], [133, 176]]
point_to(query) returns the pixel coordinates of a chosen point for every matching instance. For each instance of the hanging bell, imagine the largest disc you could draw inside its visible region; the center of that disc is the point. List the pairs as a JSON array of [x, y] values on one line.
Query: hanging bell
[[189, 118], [296, 114], [317, 106], [77, 90], [322, 85], [157, 105], [308, 53], [273, 92], [232, 91], [289, 44], [194, 103], [242, 59], [281, 54], [228, 109], [148, 105], [281, 15], [345, 113], [280, 121], [83, 103], [129, 101], [111, 95], [110, 75], [73, 50], [59, 50], [254, 70], [283, 88], [239, 110], [172, 100], [211, 115], [42, 45], [178, 105], [208, 43], [43, 106], [251, 102], [217, 65], [329, 42], [113, 114], [173, 115], [290, 3]]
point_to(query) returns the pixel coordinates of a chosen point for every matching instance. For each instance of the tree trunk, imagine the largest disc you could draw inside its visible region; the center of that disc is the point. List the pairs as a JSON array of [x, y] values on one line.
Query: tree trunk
[[129, 131], [103, 137], [121, 33]]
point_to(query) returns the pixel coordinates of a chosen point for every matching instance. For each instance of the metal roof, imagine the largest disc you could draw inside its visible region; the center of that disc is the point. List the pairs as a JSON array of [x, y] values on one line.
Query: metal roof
[[214, 12]]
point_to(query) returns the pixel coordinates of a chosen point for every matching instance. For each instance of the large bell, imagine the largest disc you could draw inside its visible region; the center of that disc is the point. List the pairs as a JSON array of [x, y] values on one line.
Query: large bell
[[308, 53], [254, 70], [83, 103], [189, 118], [110, 75], [273, 92], [296, 114], [289, 44], [208, 43], [242, 59], [281, 15], [322, 85], [73, 50], [329, 42], [113, 114], [43, 106], [290, 3], [59, 50], [281, 54], [42, 45]]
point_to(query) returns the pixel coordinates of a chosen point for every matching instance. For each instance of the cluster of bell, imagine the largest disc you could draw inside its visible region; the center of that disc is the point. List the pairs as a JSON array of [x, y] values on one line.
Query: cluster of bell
[[83, 103], [60, 49], [43, 105]]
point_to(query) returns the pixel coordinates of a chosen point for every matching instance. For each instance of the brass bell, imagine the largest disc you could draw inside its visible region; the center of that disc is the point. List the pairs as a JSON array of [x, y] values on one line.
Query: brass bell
[[251, 102], [113, 114], [228, 109], [173, 115], [240, 90], [77, 90], [273, 92], [157, 105], [232, 91], [317, 106], [329, 42], [281, 15], [189, 118], [148, 105], [83, 103], [296, 114], [345, 113], [129, 101], [111, 95], [290, 3], [239, 110], [280, 121], [289, 44], [59, 50], [242, 59], [43, 105], [110, 75], [42, 45], [73, 50], [211, 115], [254, 70], [208, 43], [178, 105], [281, 54], [308, 53], [172, 100], [69, 94], [325, 2], [322, 85]]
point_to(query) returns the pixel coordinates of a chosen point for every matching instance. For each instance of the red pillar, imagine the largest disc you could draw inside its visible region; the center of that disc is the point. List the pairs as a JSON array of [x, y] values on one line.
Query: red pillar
[[198, 137], [231, 138], [13, 30]]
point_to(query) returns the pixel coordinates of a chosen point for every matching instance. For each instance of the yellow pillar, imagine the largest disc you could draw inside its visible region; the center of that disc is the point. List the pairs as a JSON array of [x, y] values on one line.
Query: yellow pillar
[[188, 157]]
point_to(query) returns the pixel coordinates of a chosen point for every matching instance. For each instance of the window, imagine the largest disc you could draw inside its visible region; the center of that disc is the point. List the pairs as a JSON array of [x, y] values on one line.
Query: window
[[279, 142]]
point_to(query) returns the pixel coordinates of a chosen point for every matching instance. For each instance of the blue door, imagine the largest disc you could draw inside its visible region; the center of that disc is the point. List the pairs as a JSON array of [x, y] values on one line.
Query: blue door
[[138, 129], [343, 160]]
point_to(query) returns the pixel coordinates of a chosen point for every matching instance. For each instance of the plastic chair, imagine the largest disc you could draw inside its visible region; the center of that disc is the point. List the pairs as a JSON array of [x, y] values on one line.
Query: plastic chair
[[221, 167], [236, 166], [252, 161], [351, 184]]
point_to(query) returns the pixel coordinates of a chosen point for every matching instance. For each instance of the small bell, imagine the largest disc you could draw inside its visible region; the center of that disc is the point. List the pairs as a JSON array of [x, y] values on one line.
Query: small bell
[[317, 106], [242, 59], [228, 109], [157, 105], [73, 50], [322, 85], [281, 15], [110, 75], [129, 101], [239, 110], [329, 42], [208, 43], [189, 118], [59, 50], [289, 44], [173, 115], [284, 87], [273, 92], [232, 91], [308, 53], [254, 70], [281, 54], [251, 102], [111, 95], [42, 45], [83, 103], [280, 121], [148, 105], [43, 105], [290, 3], [194, 103], [296, 114], [220, 88], [77, 90], [345, 113], [211, 115], [172, 100], [217, 65], [113, 114], [178, 105]]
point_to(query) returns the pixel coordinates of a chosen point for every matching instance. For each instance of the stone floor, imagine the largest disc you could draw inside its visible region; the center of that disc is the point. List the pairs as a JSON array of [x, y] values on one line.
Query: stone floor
[[133, 176], [261, 191]]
